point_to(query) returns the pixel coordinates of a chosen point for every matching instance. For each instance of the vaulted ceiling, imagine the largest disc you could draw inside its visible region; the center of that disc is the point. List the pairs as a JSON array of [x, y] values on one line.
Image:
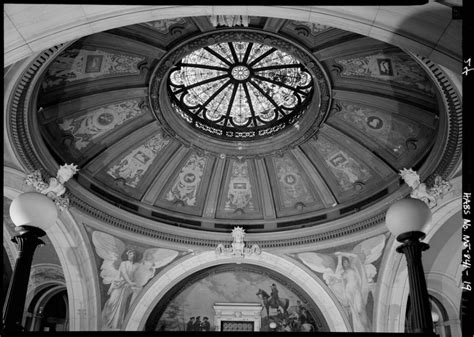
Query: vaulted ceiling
[[225, 143]]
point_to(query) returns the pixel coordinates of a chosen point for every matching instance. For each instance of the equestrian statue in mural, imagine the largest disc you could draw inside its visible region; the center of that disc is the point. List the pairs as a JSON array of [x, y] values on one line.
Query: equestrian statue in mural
[[273, 300]]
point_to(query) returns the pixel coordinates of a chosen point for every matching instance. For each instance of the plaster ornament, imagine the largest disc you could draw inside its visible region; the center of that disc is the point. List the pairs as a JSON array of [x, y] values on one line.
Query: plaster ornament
[[420, 191], [238, 248], [55, 188], [229, 20]]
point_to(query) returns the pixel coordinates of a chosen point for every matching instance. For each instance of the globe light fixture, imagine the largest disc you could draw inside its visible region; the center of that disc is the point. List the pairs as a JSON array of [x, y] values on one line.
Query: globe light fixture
[[32, 213], [33, 209], [405, 220]]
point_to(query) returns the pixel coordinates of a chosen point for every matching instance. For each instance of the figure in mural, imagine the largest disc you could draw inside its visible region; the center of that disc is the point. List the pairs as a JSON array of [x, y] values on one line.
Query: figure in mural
[[197, 324], [350, 275], [267, 302], [190, 325], [205, 325], [274, 300], [119, 293], [126, 278], [353, 289]]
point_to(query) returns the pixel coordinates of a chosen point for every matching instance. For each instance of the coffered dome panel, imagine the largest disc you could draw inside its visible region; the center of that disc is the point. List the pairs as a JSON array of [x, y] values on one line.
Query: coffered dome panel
[[263, 127]]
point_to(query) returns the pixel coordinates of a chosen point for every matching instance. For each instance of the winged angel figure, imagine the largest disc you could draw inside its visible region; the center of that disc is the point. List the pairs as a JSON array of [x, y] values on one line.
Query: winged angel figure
[[350, 276], [126, 277]]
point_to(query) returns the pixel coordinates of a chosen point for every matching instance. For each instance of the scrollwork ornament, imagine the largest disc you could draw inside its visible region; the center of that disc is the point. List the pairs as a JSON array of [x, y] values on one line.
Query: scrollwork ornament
[[238, 247], [54, 189]]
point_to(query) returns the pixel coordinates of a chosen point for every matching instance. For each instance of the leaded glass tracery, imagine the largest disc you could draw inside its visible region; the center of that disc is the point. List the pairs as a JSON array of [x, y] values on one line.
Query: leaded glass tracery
[[240, 88]]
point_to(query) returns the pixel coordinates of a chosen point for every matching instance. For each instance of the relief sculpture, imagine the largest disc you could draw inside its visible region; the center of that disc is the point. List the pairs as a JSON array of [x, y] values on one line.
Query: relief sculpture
[[350, 275], [126, 277]]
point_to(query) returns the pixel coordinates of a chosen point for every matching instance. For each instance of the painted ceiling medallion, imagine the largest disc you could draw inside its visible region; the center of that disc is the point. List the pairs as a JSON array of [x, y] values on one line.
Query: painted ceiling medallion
[[228, 88]]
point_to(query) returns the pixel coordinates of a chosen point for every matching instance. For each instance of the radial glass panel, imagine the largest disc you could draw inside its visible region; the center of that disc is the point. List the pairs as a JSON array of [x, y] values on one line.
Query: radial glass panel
[[235, 88]]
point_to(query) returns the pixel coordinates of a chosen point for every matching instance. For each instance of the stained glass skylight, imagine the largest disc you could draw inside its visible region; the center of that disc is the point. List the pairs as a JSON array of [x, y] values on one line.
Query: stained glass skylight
[[240, 90]]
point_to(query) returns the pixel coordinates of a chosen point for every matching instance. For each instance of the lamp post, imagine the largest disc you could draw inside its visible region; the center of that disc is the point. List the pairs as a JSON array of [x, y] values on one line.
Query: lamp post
[[405, 219], [31, 212]]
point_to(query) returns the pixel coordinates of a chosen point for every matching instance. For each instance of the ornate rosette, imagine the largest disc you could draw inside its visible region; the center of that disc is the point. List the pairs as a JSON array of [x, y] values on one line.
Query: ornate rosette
[[249, 86]]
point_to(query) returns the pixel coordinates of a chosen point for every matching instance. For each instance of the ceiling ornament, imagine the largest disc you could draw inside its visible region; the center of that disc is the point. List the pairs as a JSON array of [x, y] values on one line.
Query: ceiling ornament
[[29, 150], [250, 86], [429, 195], [79, 64], [238, 248], [229, 20], [242, 90], [55, 188]]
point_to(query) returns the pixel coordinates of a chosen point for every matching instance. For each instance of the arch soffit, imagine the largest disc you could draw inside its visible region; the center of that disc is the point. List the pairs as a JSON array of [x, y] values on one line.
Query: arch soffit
[[35, 285], [75, 255], [163, 282], [393, 283], [48, 295], [365, 22]]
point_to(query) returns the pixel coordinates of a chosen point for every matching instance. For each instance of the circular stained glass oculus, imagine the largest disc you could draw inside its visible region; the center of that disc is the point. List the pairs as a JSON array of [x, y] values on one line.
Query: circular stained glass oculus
[[240, 90]]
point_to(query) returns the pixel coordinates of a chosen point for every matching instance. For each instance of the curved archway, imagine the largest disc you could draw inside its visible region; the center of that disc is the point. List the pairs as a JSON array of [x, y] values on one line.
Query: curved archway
[[79, 21], [164, 281], [76, 258], [40, 302]]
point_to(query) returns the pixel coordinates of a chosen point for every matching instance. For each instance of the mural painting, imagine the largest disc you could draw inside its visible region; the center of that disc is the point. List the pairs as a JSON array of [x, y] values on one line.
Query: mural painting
[[392, 67], [125, 275], [98, 122], [79, 64], [133, 166], [382, 127], [351, 275], [187, 183], [192, 309], [344, 167], [163, 26], [292, 186], [239, 193]]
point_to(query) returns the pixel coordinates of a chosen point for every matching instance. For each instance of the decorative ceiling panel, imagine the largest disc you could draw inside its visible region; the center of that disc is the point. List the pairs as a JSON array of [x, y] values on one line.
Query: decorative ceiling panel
[[85, 65], [187, 186], [349, 169], [395, 138], [240, 196], [389, 68], [294, 193]]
